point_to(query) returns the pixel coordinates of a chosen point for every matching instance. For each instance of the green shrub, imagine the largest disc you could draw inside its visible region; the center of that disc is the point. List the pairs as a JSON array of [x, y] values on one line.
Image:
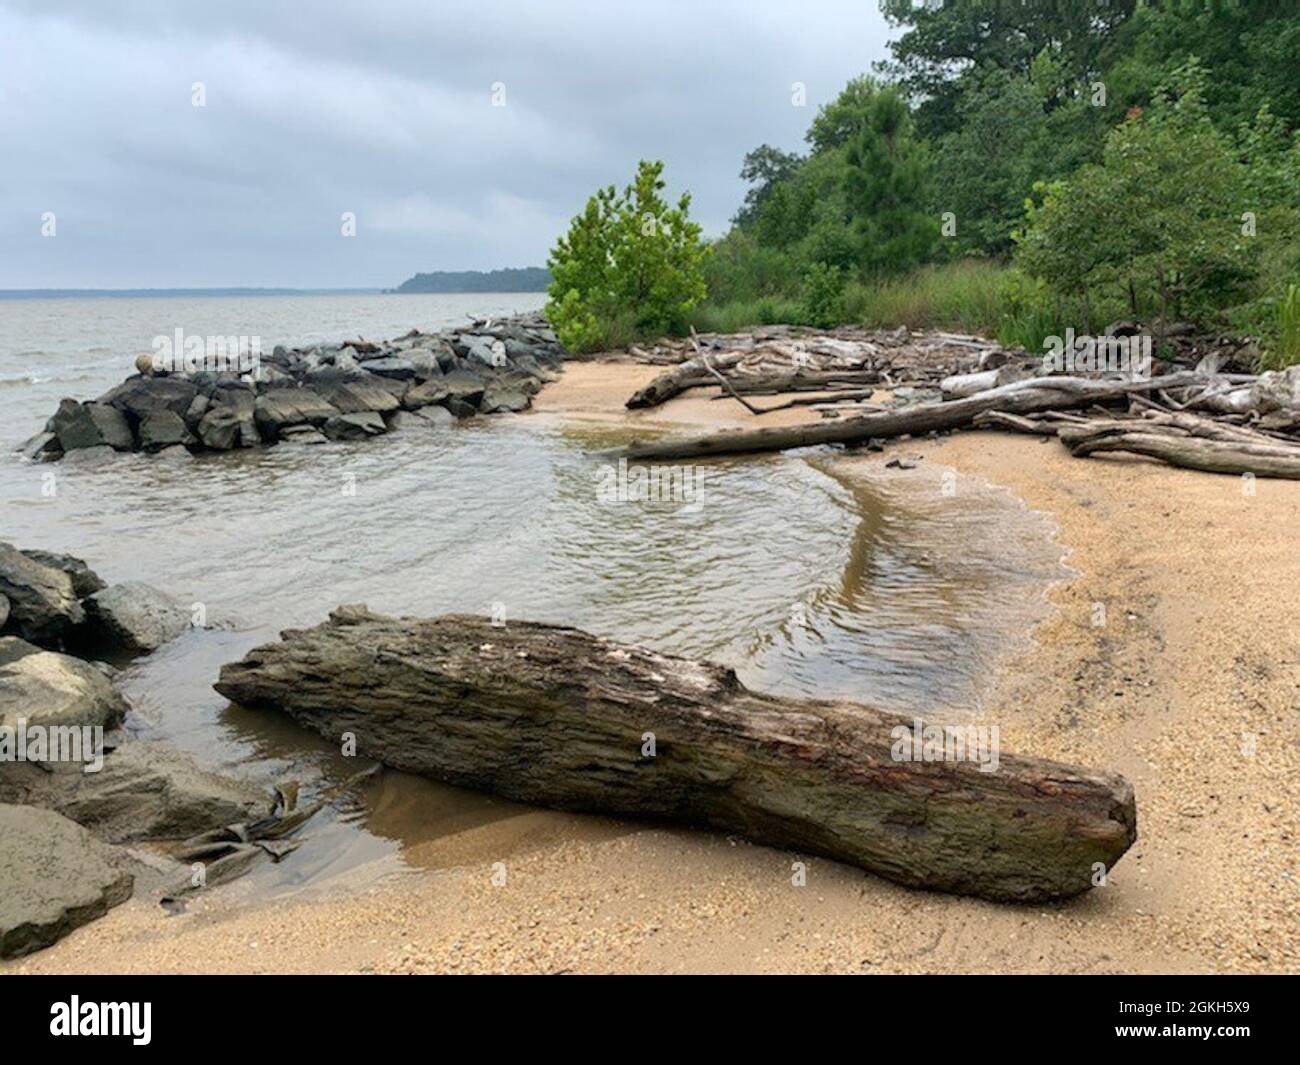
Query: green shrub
[[629, 266], [823, 295]]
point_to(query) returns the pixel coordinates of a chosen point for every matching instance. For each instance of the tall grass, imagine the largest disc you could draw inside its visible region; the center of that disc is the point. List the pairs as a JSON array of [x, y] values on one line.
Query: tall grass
[[965, 296], [1283, 348]]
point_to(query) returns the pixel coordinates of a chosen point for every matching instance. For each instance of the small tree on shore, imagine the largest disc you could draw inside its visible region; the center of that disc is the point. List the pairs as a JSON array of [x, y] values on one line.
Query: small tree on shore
[[629, 265]]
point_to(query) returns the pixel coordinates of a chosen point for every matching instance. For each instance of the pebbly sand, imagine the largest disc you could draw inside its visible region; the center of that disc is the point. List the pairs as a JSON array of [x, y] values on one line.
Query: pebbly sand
[[1196, 658]]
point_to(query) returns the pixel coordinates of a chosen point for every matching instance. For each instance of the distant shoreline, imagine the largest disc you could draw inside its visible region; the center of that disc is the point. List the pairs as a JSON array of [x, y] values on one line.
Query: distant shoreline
[[178, 293], [167, 293]]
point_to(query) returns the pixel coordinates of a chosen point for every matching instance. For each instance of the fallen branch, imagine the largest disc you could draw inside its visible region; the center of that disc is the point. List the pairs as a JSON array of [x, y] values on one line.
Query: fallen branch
[[1188, 452], [1021, 397]]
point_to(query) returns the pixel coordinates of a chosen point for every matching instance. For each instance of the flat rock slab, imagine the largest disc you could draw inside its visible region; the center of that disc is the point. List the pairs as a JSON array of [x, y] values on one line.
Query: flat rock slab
[[48, 689], [143, 791], [54, 878]]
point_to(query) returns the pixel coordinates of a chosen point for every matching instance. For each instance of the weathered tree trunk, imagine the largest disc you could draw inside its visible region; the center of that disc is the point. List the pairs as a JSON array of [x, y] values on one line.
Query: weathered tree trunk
[[1189, 452], [557, 717], [689, 374], [1022, 397]]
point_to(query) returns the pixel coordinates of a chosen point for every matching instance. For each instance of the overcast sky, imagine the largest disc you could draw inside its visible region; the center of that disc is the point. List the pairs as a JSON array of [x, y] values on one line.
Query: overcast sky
[[383, 108]]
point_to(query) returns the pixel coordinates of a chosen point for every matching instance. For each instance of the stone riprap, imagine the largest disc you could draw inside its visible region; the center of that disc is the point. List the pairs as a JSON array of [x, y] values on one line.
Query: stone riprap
[[351, 390]]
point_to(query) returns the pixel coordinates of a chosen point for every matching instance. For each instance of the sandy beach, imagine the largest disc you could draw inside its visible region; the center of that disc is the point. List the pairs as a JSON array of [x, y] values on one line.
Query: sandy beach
[[1171, 657]]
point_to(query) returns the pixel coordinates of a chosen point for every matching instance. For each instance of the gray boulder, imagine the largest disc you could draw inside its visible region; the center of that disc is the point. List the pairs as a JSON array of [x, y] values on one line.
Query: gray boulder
[[230, 420], [50, 689], [393, 366], [142, 395], [4, 610], [85, 581], [360, 396], [134, 617], [487, 350], [43, 604], [504, 396], [460, 384], [302, 434], [425, 418], [83, 425], [283, 407], [143, 791], [357, 426], [163, 429], [54, 878]]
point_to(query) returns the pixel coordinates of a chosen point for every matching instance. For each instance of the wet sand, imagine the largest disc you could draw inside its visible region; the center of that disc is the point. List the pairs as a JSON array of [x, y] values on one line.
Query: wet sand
[[1195, 659]]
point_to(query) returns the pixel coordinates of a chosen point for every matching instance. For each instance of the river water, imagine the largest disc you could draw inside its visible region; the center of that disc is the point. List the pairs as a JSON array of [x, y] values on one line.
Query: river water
[[811, 574]]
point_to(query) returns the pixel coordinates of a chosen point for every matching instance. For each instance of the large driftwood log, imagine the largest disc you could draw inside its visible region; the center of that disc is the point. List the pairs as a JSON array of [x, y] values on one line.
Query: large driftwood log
[[557, 717], [1021, 397]]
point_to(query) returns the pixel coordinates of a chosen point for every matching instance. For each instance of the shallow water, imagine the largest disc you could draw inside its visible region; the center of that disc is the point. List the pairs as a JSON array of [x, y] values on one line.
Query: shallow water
[[811, 574]]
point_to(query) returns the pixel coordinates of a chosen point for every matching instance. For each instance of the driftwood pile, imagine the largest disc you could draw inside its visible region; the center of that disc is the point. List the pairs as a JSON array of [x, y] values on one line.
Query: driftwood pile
[[844, 364], [1196, 418]]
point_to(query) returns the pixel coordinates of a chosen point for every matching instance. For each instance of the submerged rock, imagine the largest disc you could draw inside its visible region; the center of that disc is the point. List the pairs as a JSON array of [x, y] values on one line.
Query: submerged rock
[[54, 878], [134, 617]]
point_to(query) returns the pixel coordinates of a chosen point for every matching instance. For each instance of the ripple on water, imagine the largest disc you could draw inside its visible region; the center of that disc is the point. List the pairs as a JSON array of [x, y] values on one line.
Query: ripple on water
[[811, 575]]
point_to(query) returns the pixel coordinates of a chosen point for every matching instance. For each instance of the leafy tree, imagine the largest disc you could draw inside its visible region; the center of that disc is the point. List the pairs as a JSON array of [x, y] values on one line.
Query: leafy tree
[[630, 263], [1159, 220], [943, 41], [765, 168], [886, 186], [838, 121], [986, 168]]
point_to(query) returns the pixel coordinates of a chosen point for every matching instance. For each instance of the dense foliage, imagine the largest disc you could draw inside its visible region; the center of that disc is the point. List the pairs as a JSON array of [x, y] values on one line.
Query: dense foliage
[[1024, 167]]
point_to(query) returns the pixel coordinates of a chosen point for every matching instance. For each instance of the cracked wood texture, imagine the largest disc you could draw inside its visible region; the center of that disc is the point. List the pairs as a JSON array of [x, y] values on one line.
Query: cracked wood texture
[[556, 717]]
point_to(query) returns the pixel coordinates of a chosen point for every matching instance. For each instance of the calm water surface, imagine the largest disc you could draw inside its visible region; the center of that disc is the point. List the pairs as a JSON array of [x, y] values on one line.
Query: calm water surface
[[811, 574]]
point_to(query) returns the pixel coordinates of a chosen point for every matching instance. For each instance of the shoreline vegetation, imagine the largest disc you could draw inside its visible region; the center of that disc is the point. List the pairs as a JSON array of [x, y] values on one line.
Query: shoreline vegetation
[[1098, 163]]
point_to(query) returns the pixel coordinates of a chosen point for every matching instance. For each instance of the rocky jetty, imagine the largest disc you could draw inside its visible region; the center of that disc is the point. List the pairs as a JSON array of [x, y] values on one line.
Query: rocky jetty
[[350, 390]]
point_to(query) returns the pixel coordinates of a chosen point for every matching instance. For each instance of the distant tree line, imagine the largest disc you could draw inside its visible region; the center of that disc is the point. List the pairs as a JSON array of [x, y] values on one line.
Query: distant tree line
[[522, 279]]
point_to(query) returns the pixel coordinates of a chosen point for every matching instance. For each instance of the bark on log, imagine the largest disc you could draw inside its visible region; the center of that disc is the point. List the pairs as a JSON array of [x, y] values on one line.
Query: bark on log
[[688, 374], [554, 716], [1022, 397]]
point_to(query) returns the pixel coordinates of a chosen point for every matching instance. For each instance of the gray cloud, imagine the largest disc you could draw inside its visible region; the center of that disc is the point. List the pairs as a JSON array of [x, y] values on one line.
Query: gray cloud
[[382, 109]]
